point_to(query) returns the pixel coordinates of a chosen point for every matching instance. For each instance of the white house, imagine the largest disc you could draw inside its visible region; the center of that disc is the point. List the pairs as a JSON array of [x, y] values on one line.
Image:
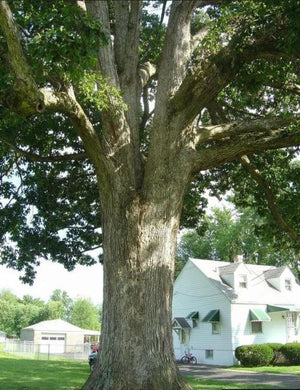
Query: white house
[[218, 306]]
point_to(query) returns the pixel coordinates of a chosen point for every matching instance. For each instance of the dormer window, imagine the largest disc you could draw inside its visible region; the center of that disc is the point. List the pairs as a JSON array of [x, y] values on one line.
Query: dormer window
[[288, 284], [242, 281]]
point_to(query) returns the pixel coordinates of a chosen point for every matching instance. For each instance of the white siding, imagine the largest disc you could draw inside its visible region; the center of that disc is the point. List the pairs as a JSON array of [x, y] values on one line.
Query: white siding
[[195, 292], [273, 331]]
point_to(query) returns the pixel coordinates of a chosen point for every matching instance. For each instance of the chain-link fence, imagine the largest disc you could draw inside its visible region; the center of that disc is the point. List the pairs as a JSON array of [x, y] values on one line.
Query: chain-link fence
[[46, 351]]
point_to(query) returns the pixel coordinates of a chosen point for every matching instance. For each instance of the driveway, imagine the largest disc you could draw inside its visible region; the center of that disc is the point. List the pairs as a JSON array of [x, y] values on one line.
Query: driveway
[[286, 381]]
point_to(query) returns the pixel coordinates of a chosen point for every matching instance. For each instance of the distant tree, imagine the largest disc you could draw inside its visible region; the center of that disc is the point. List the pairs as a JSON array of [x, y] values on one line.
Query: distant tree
[[54, 310], [67, 302], [16, 313], [229, 233], [85, 314], [28, 299], [7, 318]]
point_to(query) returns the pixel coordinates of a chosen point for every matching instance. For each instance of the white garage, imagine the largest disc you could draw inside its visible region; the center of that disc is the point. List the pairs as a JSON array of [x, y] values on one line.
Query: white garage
[[53, 343], [56, 336]]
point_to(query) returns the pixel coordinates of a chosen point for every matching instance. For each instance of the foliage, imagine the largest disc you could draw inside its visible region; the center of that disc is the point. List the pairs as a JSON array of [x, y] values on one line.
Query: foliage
[[291, 351], [85, 314], [62, 34], [51, 204], [254, 355], [276, 351], [16, 314]]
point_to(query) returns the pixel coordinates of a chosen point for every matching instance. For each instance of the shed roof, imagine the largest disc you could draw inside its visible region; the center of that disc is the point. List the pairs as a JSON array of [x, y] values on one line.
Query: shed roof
[[59, 326]]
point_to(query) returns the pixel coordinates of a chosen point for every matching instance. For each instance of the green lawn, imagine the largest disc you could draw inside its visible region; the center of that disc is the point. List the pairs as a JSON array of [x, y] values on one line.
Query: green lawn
[[205, 384], [270, 369], [18, 373]]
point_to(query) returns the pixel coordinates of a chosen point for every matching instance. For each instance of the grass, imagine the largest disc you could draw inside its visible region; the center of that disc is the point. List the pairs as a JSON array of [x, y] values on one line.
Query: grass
[[270, 369], [19, 373], [208, 384]]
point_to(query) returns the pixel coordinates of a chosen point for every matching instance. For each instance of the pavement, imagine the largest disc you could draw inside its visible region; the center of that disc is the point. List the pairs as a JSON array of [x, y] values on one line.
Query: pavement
[[285, 381]]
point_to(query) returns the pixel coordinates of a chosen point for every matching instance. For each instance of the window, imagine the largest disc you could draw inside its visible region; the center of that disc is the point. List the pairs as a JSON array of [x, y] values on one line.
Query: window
[[215, 328], [209, 354], [243, 281], [256, 326], [288, 284]]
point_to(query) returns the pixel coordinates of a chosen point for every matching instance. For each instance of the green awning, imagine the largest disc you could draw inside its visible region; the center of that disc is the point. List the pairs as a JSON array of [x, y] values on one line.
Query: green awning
[[212, 316], [271, 308], [194, 315], [258, 315]]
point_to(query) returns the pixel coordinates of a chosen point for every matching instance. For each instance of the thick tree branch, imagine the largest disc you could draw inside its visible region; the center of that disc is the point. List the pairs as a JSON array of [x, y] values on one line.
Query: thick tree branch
[[176, 47], [99, 11], [257, 176], [289, 87], [118, 63], [204, 81], [27, 98], [198, 38], [232, 130], [244, 143]]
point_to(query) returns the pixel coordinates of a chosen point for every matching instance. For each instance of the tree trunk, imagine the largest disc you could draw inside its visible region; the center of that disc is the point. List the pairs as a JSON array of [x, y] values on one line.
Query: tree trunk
[[136, 338]]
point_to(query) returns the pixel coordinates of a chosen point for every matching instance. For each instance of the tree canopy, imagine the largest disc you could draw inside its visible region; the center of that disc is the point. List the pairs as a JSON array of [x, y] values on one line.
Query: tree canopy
[[48, 187]]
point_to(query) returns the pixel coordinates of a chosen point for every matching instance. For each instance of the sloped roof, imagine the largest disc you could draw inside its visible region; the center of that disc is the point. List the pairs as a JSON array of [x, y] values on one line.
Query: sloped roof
[[259, 291], [182, 322], [274, 273], [57, 326], [228, 269]]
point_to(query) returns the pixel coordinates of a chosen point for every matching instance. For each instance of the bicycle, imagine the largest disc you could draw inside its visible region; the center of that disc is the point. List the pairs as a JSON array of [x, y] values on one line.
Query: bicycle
[[188, 358]]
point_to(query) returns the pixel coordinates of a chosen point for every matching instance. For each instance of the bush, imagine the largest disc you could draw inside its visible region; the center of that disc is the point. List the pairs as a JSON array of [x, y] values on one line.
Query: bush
[[276, 352], [291, 351], [254, 355]]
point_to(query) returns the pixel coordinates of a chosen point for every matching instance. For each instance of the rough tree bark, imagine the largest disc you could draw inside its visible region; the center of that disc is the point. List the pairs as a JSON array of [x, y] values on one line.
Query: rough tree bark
[[141, 196]]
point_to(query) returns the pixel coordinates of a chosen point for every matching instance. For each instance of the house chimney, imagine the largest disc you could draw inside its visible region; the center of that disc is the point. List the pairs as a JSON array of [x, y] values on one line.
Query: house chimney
[[238, 259]]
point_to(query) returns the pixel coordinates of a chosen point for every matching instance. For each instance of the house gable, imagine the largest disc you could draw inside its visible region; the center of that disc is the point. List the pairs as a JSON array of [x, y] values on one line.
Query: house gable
[[282, 279], [235, 275]]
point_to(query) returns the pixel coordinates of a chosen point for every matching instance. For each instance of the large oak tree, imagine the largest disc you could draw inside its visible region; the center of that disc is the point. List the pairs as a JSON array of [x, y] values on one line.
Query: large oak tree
[[103, 107]]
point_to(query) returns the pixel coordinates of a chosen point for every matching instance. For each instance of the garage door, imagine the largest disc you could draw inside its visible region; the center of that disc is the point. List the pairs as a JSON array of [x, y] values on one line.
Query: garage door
[[52, 343]]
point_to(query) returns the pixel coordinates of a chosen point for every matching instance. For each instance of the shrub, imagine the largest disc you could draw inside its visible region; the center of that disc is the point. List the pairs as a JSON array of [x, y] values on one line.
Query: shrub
[[291, 351], [254, 355], [276, 352]]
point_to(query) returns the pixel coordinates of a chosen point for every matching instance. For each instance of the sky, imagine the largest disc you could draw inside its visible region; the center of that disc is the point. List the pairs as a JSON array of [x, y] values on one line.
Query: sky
[[83, 282]]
